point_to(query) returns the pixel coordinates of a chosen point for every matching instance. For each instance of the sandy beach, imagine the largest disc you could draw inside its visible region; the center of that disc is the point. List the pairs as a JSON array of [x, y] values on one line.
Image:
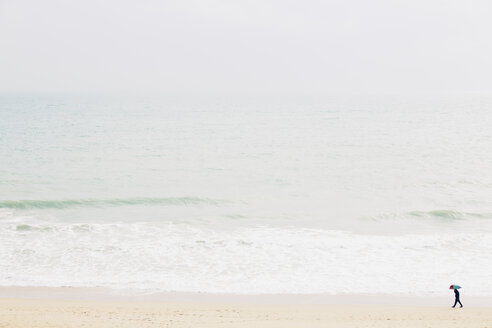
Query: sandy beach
[[67, 313], [75, 308]]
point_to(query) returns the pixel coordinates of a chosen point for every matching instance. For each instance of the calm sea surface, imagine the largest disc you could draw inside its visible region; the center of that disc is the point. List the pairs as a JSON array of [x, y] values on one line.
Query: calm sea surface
[[247, 195]]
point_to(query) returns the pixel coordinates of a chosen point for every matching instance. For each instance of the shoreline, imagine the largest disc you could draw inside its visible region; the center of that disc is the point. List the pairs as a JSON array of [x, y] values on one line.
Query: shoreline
[[116, 295]]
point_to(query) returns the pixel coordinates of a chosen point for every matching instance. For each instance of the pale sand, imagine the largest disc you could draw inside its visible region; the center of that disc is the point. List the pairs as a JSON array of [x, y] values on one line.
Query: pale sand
[[113, 312]]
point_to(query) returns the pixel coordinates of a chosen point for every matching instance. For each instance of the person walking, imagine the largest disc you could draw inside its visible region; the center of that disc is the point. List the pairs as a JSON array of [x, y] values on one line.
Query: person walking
[[456, 295]]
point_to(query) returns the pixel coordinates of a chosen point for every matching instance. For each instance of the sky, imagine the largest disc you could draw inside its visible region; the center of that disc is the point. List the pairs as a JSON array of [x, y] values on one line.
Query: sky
[[245, 47]]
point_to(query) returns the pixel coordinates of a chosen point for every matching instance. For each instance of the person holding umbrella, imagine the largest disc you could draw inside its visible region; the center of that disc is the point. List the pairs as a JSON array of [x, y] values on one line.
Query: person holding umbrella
[[456, 294]]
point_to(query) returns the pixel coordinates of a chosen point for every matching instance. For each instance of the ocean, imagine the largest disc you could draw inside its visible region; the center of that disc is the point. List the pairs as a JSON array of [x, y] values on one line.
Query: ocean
[[367, 194]]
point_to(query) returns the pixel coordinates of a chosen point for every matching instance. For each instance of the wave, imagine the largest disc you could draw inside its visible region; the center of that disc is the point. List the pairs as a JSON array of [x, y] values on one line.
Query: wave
[[163, 256], [441, 214], [448, 214], [72, 203]]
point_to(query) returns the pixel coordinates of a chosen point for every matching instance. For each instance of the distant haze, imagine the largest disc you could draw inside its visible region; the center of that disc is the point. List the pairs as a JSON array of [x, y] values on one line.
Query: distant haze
[[245, 47]]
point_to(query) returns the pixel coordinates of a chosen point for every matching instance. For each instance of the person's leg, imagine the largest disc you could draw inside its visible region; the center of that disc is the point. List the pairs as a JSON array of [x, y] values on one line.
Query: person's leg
[[460, 303], [455, 301]]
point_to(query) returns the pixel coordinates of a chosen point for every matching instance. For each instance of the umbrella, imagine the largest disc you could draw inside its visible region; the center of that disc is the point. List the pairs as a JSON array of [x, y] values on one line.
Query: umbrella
[[454, 287]]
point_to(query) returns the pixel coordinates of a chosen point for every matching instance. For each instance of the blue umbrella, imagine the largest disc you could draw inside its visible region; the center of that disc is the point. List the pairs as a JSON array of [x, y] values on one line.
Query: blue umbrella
[[454, 287]]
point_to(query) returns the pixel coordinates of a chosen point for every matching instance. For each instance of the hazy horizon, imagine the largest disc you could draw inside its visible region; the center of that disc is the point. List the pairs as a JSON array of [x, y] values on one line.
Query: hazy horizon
[[245, 48]]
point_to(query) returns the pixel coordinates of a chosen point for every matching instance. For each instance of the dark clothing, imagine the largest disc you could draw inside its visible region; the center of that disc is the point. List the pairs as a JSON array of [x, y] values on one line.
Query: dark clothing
[[457, 298]]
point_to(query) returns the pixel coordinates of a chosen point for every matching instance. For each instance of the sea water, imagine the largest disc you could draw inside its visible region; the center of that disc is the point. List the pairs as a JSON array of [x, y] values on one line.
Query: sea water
[[247, 195]]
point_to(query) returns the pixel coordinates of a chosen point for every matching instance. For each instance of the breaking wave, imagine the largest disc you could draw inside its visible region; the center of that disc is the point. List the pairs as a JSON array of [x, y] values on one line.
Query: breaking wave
[[73, 203]]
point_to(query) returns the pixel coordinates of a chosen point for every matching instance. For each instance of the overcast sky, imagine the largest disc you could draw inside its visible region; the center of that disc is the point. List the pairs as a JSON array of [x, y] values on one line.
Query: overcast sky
[[245, 47]]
